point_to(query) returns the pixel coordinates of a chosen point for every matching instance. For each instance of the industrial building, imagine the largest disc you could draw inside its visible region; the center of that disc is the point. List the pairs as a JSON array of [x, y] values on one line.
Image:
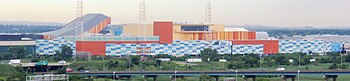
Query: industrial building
[[25, 40], [166, 37]]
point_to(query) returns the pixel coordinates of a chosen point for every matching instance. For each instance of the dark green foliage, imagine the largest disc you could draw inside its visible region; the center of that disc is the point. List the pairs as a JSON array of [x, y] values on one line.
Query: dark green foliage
[[345, 66], [12, 73], [333, 66], [145, 64], [79, 78], [306, 68], [112, 64], [159, 62], [17, 51], [209, 53], [35, 60], [2, 78], [248, 61], [66, 53], [16, 77], [347, 58], [81, 68], [6, 56], [205, 77], [180, 58], [135, 60], [163, 56]]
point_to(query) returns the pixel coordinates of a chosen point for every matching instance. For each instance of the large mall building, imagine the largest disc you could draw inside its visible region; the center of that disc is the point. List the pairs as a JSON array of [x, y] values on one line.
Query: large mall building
[[99, 38]]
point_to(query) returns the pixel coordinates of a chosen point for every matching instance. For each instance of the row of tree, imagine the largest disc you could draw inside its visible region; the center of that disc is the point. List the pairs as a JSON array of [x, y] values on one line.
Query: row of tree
[[15, 52]]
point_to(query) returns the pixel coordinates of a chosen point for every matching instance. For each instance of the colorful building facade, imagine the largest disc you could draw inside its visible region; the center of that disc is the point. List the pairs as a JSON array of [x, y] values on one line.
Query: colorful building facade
[[167, 37], [49, 47]]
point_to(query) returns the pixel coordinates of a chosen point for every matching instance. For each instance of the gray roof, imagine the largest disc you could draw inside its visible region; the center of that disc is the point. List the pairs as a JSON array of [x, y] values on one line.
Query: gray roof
[[90, 21], [262, 35]]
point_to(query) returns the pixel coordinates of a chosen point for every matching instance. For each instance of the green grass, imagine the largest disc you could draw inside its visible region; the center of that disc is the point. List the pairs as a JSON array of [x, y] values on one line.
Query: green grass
[[102, 66], [196, 78]]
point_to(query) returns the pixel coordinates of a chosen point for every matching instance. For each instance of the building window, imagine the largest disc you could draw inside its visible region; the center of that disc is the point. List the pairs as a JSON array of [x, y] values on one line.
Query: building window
[[194, 28]]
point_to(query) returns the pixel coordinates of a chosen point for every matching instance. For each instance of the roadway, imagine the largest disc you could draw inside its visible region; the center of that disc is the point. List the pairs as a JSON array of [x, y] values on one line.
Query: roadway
[[212, 73], [33, 64]]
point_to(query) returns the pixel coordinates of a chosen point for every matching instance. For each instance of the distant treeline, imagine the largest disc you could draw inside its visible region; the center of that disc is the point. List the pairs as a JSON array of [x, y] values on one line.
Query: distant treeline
[[27, 28], [288, 32]]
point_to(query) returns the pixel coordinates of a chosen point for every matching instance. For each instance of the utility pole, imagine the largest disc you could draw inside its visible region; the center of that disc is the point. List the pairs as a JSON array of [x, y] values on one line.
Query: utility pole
[[142, 29], [299, 62], [341, 61], [208, 20], [79, 28], [129, 62], [260, 61]]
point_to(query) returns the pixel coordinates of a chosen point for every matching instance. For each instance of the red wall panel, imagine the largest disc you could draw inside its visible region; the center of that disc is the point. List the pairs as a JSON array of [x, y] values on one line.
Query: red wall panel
[[251, 35], [270, 46], [163, 29], [98, 48]]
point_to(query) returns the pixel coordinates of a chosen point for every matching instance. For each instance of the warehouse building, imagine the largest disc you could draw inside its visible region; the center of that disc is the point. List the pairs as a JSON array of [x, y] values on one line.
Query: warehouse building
[[167, 37]]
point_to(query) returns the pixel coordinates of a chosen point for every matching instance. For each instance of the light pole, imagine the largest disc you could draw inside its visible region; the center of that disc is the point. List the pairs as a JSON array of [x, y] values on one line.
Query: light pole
[[223, 63], [175, 75], [299, 62], [298, 75], [260, 61], [113, 76], [236, 75], [129, 62], [341, 61]]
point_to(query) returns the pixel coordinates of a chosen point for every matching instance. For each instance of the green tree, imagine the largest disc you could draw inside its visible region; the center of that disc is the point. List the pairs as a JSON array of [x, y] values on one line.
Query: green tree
[[135, 60], [209, 53], [17, 51], [81, 68], [112, 64], [66, 53], [236, 65], [205, 77], [333, 66], [16, 77], [163, 56], [2, 78], [159, 62]]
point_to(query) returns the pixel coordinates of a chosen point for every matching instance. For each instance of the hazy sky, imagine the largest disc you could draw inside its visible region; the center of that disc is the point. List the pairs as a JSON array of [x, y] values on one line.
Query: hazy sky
[[234, 12]]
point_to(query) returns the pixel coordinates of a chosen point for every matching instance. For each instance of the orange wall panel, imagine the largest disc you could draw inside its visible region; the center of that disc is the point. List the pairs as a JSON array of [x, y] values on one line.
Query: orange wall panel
[[98, 48], [100, 26]]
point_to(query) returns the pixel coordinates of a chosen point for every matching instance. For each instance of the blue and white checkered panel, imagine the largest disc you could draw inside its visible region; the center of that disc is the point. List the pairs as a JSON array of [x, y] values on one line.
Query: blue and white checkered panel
[[305, 46], [335, 46], [49, 47], [248, 49], [177, 48], [130, 49]]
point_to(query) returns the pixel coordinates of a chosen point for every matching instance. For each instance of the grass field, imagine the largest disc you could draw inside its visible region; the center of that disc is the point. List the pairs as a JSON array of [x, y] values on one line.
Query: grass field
[[301, 78]]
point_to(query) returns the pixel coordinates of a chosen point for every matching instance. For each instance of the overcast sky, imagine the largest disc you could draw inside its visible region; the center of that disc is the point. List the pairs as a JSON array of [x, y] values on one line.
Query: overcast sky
[[233, 12]]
